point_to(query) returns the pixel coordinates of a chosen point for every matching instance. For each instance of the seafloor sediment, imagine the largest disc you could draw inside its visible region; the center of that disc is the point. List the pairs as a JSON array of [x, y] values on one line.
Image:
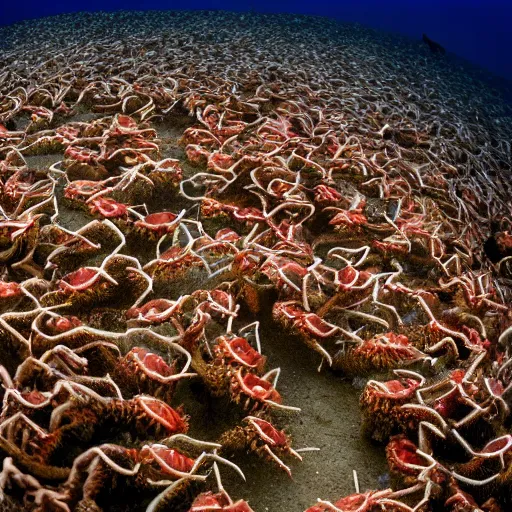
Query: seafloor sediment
[[191, 199]]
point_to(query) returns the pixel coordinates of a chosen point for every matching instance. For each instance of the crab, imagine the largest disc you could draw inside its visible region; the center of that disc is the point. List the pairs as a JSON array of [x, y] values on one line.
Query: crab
[[155, 225], [154, 312], [108, 208], [381, 404], [143, 371], [167, 172], [316, 332], [84, 420], [262, 438], [382, 352], [97, 285], [286, 275], [146, 469]]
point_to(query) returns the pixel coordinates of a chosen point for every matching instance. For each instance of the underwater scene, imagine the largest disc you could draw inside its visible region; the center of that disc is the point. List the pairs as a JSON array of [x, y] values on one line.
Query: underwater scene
[[252, 261]]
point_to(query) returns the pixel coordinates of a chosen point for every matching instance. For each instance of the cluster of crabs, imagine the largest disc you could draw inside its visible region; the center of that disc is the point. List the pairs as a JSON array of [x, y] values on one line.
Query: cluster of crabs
[[128, 274]]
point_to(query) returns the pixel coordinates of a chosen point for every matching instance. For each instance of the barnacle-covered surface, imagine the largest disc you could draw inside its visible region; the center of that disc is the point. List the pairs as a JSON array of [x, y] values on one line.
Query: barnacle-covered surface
[[191, 201]]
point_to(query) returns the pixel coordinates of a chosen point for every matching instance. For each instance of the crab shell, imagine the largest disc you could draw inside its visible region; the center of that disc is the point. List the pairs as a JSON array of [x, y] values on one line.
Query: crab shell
[[169, 460], [167, 172], [144, 371], [268, 433], [326, 196], [209, 502], [158, 413], [81, 190], [495, 457], [402, 457], [293, 271], [108, 208], [9, 290], [89, 287], [381, 404], [153, 312], [60, 324], [367, 502], [308, 325], [158, 224], [382, 352], [314, 331], [173, 263], [215, 302], [238, 352], [255, 389]]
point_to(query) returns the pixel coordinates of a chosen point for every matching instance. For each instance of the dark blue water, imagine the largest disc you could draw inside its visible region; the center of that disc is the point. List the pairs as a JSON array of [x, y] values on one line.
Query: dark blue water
[[476, 30]]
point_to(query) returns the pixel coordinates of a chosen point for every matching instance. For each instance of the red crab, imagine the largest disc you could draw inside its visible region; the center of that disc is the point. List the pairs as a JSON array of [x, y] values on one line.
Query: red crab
[[154, 312], [237, 352], [262, 438], [381, 404], [219, 502], [108, 208], [382, 352]]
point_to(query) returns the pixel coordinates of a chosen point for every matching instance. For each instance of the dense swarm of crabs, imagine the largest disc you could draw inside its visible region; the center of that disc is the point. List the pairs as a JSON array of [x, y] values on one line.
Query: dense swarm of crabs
[[367, 215]]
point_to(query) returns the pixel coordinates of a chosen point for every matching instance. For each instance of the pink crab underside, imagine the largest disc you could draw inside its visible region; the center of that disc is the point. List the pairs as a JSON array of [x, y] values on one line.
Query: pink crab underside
[[347, 217], [81, 154], [504, 240], [503, 443], [271, 434], [323, 193], [290, 268], [155, 311], [288, 310], [248, 214], [209, 502], [221, 297], [126, 122], [151, 362], [221, 160], [461, 501], [401, 454], [8, 290], [240, 350], [78, 280], [357, 502], [108, 208], [156, 221], [169, 165], [496, 386], [172, 458], [82, 188], [258, 388], [227, 235], [62, 324], [246, 261], [317, 326], [347, 275], [397, 389], [164, 414], [34, 397], [173, 253]]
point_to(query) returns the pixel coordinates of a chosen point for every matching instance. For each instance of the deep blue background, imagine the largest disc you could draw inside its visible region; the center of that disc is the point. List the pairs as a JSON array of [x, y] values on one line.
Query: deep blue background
[[478, 30]]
